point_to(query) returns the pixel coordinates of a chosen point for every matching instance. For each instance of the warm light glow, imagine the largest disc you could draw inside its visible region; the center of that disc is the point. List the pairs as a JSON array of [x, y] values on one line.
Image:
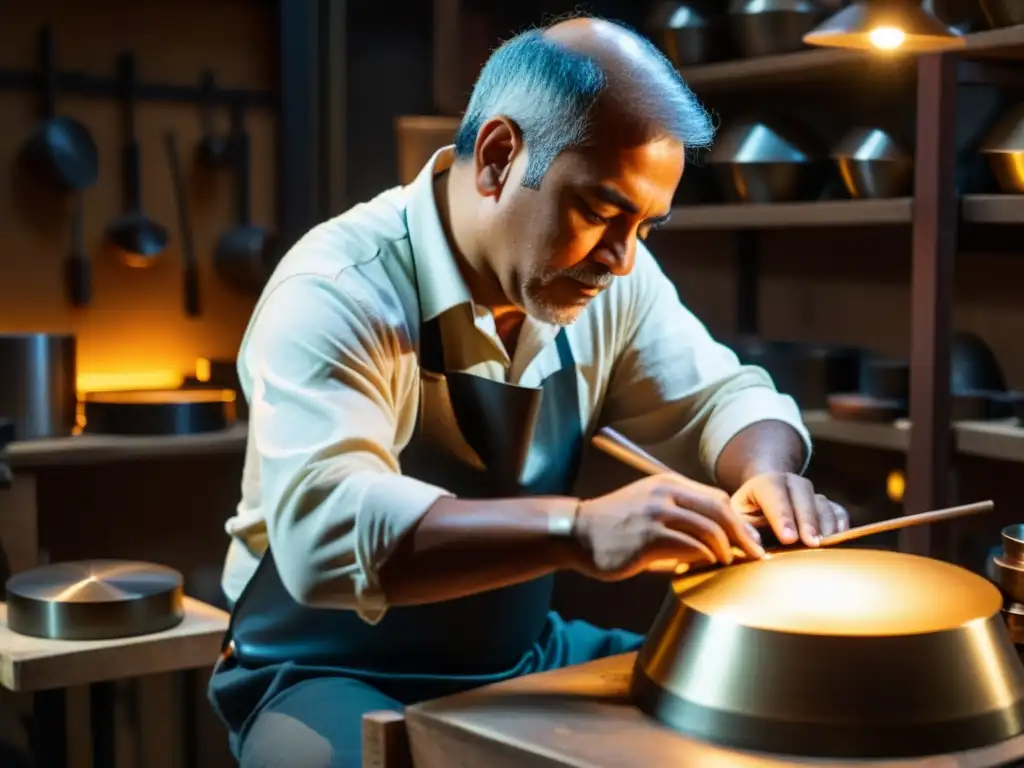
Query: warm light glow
[[887, 38], [895, 486], [202, 369], [121, 380]]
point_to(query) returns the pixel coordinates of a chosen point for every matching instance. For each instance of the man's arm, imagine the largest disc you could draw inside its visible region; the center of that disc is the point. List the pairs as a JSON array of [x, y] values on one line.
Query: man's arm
[[761, 448], [686, 398], [348, 530]]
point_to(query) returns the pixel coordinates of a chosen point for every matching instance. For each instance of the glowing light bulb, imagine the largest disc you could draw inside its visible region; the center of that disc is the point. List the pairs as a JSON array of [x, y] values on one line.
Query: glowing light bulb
[[895, 485], [887, 38]]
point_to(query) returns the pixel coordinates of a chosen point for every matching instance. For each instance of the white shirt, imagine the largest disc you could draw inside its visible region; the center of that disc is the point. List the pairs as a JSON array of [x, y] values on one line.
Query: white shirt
[[329, 369]]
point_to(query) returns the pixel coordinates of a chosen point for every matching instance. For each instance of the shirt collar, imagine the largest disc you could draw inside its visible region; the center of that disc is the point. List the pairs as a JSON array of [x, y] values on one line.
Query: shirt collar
[[438, 279]]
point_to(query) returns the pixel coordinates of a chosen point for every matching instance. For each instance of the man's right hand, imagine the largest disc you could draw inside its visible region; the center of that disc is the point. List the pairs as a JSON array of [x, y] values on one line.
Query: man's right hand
[[663, 517]]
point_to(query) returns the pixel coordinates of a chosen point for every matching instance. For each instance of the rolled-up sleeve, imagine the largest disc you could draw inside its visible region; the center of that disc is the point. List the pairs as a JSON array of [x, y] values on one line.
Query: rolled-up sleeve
[[676, 390], [324, 408]]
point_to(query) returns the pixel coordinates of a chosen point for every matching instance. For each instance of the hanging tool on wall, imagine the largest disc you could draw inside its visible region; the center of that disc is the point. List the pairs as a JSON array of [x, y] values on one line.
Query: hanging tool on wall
[[138, 239], [244, 253], [63, 155], [213, 152], [190, 267]]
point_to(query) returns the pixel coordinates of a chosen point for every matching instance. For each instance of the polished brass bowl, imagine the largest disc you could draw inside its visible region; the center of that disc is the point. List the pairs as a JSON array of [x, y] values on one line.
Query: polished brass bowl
[[838, 653]]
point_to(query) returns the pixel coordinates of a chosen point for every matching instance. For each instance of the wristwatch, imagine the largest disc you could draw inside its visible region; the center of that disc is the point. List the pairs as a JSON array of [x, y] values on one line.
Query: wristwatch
[[562, 520]]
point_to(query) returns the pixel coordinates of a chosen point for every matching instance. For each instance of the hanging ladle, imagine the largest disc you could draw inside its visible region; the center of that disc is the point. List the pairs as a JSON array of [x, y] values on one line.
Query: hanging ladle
[[62, 152], [137, 239], [243, 254], [213, 151]]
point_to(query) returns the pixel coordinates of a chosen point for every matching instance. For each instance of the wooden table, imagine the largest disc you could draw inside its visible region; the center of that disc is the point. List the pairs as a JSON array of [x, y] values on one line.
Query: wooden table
[[580, 717], [46, 668]]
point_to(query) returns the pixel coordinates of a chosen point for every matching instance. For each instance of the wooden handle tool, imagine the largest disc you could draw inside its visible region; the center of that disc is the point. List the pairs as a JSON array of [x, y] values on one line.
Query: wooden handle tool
[[882, 526], [608, 441], [629, 453]]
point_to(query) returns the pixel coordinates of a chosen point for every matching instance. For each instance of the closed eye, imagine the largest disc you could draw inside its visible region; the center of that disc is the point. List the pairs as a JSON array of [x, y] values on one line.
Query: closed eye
[[591, 215]]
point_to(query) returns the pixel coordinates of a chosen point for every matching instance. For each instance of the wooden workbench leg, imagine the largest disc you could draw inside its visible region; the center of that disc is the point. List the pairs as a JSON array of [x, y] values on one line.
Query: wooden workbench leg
[[102, 703], [50, 728], [19, 524], [385, 740]]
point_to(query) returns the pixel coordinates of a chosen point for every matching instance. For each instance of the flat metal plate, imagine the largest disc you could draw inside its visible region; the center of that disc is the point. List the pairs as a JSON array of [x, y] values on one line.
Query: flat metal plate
[[94, 599]]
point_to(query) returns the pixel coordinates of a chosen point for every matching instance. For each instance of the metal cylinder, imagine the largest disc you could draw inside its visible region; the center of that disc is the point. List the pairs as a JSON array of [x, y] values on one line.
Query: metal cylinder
[[37, 384]]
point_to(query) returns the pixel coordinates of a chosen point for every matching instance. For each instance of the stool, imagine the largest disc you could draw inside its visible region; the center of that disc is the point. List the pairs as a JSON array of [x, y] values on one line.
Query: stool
[[46, 668], [385, 740]]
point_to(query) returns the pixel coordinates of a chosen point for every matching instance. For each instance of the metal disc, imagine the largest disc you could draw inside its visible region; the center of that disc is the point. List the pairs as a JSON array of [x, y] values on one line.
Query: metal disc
[[94, 600]]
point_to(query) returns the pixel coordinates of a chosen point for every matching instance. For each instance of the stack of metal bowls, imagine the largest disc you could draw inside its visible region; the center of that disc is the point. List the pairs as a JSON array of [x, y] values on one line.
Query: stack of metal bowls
[[1005, 568], [754, 162], [873, 165], [1004, 150]]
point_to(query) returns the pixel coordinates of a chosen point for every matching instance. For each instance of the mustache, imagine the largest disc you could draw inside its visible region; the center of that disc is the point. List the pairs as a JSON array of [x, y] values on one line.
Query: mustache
[[588, 275]]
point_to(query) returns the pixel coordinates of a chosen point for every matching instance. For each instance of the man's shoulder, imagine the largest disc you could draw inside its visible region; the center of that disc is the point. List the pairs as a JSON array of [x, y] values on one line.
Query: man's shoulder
[[353, 245], [363, 252]]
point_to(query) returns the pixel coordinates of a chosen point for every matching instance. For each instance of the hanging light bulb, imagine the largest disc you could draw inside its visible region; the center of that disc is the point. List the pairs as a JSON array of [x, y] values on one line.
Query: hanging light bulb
[[886, 26]]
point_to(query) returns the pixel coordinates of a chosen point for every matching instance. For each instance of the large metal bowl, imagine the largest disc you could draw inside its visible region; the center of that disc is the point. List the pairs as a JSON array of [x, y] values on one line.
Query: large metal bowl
[[770, 27], [873, 165], [1003, 147], [846, 653], [754, 162]]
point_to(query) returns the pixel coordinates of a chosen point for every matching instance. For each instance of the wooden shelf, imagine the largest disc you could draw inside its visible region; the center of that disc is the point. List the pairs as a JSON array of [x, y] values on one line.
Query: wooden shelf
[[992, 209], [826, 64], [975, 209], [99, 449], [985, 439], [830, 213], [885, 437], [785, 69], [1004, 43]]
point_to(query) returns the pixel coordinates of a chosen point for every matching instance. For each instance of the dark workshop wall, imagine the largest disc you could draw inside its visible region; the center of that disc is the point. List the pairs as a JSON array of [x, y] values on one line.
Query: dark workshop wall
[[136, 324]]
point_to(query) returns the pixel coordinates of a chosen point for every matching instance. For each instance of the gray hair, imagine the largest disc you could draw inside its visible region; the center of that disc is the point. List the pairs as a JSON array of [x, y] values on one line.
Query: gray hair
[[549, 91]]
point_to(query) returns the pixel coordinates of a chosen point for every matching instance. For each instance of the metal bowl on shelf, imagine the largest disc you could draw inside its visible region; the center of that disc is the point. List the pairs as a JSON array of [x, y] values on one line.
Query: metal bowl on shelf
[[873, 165], [771, 27], [834, 653], [754, 162], [1003, 148], [690, 33], [1003, 13]]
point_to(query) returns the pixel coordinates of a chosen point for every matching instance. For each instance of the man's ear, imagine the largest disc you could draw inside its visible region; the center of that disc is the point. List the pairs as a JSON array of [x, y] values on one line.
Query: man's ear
[[497, 145]]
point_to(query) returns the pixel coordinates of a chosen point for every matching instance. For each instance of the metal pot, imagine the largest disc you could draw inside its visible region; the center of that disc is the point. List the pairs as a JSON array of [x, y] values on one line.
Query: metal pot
[[754, 163], [37, 386], [1003, 13], [771, 27], [873, 165], [690, 33], [1003, 147], [838, 653]]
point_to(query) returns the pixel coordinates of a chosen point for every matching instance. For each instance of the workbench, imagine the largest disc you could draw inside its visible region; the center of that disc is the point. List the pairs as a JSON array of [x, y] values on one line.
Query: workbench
[[580, 717]]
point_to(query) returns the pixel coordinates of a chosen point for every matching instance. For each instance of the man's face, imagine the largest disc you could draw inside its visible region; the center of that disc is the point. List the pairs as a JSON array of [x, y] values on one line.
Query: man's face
[[556, 248]]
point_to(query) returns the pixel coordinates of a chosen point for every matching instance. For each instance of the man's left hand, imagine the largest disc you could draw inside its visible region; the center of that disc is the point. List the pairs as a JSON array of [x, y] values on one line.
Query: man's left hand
[[793, 508]]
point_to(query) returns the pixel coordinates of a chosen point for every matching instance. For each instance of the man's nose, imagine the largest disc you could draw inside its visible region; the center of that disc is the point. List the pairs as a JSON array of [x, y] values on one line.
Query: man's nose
[[617, 254]]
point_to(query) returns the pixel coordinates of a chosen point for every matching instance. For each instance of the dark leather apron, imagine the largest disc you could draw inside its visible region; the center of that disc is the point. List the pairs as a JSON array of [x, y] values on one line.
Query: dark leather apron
[[482, 635]]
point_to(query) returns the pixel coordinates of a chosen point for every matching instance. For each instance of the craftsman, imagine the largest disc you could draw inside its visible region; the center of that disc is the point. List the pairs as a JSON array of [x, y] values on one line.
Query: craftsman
[[422, 372]]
